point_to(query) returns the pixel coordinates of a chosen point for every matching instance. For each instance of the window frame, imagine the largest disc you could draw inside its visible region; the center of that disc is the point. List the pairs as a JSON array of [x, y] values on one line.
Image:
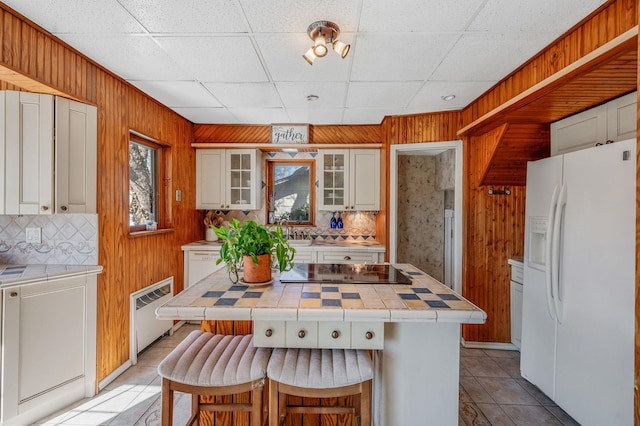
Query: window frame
[[271, 163], [163, 182]]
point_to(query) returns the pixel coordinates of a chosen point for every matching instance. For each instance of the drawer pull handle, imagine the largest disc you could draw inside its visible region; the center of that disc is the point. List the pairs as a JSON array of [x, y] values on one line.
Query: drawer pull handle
[[302, 334], [335, 334], [44, 208], [369, 335], [347, 258], [63, 208], [268, 332], [13, 294]]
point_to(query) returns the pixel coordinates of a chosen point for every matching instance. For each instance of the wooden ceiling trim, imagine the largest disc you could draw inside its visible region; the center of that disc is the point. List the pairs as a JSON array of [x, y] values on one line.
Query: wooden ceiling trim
[[261, 134], [490, 143], [30, 84], [612, 57], [269, 147]]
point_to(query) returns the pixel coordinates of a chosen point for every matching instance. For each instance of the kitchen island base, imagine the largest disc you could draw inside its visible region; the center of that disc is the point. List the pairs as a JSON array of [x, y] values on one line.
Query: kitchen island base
[[417, 375]]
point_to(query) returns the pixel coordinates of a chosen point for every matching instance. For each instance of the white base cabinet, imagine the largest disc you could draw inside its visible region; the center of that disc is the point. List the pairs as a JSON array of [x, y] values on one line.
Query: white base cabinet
[[48, 347]]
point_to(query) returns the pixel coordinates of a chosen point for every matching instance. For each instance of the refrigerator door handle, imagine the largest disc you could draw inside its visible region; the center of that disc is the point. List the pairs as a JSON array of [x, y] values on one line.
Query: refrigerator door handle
[[547, 253], [555, 252]]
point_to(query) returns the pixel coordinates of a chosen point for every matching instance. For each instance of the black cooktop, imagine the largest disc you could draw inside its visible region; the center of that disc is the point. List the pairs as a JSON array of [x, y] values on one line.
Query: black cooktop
[[344, 274]]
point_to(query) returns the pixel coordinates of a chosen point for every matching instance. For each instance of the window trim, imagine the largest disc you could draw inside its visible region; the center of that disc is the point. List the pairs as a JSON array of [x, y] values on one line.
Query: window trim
[[163, 184], [312, 189]]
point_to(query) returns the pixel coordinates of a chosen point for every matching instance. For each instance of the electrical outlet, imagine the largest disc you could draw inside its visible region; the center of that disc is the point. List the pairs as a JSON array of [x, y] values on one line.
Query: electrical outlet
[[34, 235]]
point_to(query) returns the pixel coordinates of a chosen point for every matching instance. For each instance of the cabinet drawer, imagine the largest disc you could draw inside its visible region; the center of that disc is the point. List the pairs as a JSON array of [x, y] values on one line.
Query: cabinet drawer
[[367, 335], [304, 256], [301, 334], [268, 334], [344, 256], [517, 274], [334, 335]]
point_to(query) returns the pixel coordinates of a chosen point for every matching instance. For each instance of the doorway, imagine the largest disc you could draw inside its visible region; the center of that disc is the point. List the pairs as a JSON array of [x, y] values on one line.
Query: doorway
[[426, 209]]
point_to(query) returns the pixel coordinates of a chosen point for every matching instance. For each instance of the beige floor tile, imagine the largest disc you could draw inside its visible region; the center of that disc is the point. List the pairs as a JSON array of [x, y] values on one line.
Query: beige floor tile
[[483, 367], [497, 353], [463, 396], [472, 352], [530, 415], [506, 391], [536, 393], [495, 414], [564, 418], [510, 365], [475, 390]]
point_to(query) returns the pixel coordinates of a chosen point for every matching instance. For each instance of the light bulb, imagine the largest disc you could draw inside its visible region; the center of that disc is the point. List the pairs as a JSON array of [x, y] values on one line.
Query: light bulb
[[320, 47], [341, 48]]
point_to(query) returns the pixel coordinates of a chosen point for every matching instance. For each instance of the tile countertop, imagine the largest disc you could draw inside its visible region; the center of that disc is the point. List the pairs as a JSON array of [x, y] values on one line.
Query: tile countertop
[[17, 275], [425, 300], [324, 245]]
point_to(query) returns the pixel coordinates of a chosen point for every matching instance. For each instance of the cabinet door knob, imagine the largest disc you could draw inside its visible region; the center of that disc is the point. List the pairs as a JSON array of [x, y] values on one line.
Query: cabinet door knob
[[13, 294], [335, 334], [369, 335], [63, 208], [44, 208], [268, 332], [302, 334], [347, 258]]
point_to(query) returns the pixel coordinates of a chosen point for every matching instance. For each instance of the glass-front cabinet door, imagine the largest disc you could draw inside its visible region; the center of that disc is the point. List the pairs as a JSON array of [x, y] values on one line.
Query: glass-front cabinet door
[[242, 176], [333, 184]]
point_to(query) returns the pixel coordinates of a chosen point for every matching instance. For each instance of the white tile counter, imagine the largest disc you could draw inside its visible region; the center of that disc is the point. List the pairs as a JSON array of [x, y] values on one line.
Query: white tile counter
[[17, 275]]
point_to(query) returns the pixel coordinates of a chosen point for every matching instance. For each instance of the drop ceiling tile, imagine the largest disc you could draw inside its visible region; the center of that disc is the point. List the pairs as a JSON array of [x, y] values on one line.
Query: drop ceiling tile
[[384, 95], [315, 115], [417, 15], [403, 57], [255, 95], [295, 15], [130, 57], [260, 115], [207, 115], [430, 95], [367, 115], [538, 16], [294, 95], [188, 16], [78, 16], [282, 54], [216, 59], [178, 93], [487, 57]]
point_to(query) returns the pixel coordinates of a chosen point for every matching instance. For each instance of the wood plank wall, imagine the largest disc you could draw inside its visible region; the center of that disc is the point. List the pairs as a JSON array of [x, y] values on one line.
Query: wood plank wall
[[613, 18], [129, 263], [636, 399]]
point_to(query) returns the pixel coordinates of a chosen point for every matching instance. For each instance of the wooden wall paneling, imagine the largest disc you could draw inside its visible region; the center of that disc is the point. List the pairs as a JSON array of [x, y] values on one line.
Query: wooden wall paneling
[[611, 20], [494, 232], [32, 59]]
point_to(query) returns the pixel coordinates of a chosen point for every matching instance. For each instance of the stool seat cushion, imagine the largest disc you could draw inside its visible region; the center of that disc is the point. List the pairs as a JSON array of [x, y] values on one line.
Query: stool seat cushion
[[206, 359], [320, 368]]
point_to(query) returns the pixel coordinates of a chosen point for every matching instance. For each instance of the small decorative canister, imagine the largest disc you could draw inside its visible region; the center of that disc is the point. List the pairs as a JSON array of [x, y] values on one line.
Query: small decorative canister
[[211, 235]]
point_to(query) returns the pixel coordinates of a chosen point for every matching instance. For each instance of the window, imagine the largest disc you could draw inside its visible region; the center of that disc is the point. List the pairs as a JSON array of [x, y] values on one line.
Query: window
[[147, 170], [291, 192]]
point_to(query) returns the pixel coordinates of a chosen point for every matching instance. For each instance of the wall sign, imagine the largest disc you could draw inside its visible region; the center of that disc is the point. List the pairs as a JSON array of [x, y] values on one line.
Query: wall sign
[[289, 133]]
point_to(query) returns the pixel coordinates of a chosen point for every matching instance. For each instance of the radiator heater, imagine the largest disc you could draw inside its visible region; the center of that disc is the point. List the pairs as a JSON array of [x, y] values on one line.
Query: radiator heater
[[145, 328]]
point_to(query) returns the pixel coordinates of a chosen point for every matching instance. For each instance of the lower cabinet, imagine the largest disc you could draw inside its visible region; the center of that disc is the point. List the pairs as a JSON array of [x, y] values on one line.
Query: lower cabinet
[[200, 263], [350, 256], [49, 347]]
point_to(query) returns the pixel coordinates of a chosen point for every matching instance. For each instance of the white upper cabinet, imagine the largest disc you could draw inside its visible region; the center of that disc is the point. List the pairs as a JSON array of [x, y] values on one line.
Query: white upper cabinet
[[76, 156], [42, 176], [228, 179], [349, 179], [613, 121]]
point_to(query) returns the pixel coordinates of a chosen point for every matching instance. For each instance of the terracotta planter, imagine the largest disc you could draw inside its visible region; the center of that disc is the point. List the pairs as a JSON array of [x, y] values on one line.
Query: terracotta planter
[[260, 273]]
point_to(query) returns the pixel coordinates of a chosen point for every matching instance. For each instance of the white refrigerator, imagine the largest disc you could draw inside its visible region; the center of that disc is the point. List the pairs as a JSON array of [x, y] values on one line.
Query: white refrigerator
[[579, 282]]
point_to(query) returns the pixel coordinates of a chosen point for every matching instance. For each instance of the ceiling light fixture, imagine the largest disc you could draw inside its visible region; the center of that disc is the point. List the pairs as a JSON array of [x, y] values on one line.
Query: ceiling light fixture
[[323, 32], [448, 97]]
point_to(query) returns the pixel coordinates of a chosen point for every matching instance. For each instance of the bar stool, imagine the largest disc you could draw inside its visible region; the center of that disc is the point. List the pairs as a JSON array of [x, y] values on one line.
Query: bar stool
[[210, 364], [319, 373]]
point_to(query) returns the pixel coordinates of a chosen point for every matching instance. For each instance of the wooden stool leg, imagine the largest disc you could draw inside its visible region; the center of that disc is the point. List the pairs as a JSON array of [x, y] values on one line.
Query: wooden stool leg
[[167, 403], [274, 415], [365, 404], [256, 406]]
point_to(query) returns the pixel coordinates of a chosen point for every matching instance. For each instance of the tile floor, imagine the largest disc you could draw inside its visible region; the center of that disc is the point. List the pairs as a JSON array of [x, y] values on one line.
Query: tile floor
[[491, 393]]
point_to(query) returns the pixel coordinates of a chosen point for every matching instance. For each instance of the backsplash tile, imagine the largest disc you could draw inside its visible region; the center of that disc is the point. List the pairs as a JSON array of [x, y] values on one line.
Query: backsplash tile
[[68, 239]]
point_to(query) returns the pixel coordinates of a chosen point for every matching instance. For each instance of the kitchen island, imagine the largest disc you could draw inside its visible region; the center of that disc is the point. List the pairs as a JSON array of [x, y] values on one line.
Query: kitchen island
[[415, 329]]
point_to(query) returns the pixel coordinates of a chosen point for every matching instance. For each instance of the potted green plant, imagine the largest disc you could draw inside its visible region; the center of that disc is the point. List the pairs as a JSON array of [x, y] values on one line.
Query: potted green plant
[[254, 247]]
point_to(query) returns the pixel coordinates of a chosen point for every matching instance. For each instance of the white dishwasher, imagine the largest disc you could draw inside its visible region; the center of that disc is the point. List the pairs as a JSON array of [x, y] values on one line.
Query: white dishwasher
[[517, 281], [200, 263]]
